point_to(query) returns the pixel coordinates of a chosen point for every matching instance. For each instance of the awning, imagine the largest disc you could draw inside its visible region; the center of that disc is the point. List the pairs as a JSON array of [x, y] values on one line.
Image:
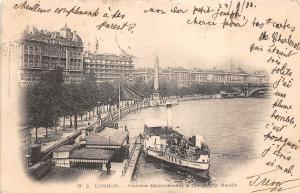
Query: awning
[[88, 161]]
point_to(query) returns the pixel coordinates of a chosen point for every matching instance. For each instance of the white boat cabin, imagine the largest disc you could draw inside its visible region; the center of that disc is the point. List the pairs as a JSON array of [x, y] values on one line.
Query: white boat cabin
[[157, 134]]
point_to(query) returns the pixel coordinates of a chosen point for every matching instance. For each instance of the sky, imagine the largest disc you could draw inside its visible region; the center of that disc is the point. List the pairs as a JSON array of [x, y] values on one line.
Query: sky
[[168, 36]]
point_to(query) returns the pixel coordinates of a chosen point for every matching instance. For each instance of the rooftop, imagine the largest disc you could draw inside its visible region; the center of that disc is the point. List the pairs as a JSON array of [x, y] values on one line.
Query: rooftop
[[65, 148], [107, 136], [95, 154], [33, 33]]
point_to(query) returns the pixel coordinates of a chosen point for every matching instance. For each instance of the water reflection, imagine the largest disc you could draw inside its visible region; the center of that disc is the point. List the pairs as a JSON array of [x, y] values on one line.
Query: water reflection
[[228, 126]]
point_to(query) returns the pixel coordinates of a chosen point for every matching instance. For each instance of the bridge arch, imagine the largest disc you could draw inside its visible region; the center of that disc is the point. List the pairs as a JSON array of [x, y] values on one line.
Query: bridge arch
[[238, 89], [249, 91], [255, 90]]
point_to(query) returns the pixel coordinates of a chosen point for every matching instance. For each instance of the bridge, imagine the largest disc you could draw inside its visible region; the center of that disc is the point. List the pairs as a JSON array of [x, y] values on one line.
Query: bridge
[[245, 89], [130, 94], [249, 89]]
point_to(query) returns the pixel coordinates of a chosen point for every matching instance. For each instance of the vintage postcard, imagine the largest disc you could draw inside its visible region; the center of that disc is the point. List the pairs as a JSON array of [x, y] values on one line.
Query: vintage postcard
[[150, 96]]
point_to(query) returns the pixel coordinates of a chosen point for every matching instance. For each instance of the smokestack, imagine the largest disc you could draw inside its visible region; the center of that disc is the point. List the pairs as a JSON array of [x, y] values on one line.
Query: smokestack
[[169, 115]]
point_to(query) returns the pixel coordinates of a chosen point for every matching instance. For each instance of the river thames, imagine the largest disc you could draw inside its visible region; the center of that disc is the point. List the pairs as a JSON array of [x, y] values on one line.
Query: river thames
[[229, 127]]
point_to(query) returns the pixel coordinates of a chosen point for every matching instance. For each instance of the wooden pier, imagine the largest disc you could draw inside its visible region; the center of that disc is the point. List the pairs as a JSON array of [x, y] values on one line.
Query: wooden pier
[[130, 167]]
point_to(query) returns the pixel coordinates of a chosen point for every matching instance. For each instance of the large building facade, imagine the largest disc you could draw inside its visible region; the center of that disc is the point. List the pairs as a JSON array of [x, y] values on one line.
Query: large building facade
[[43, 51], [186, 77], [109, 67]]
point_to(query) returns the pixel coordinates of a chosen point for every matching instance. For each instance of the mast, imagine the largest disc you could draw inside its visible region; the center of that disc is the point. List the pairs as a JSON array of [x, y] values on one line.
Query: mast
[[120, 79], [156, 68], [119, 100]]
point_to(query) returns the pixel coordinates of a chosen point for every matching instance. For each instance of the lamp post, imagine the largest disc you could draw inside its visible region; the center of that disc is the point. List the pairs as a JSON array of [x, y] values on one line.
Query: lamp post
[[109, 104], [98, 111], [98, 107], [27, 158]]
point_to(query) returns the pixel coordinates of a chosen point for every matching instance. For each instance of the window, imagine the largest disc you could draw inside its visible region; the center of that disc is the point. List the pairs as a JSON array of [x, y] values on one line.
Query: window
[[26, 60], [30, 61], [36, 60], [23, 76], [25, 48]]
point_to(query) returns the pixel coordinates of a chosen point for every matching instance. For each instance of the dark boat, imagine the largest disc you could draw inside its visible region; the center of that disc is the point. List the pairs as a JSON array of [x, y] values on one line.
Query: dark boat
[[163, 144]]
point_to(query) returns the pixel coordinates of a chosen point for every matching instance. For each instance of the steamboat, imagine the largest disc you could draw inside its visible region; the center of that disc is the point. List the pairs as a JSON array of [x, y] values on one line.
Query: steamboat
[[164, 144]]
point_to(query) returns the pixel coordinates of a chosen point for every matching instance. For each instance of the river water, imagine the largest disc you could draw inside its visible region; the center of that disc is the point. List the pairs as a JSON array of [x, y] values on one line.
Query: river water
[[229, 127]]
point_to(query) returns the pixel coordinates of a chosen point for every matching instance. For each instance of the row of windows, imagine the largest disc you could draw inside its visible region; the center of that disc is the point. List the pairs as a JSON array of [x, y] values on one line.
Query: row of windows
[[171, 158], [36, 62], [107, 75], [59, 51], [45, 63], [48, 40], [108, 66], [112, 70], [37, 77], [183, 76], [71, 66], [199, 78], [53, 53], [215, 78], [32, 47], [30, 77], [107, 62]]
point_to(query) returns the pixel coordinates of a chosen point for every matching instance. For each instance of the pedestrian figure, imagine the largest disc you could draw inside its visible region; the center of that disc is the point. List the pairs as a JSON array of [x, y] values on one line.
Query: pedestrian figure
[[108, 166]]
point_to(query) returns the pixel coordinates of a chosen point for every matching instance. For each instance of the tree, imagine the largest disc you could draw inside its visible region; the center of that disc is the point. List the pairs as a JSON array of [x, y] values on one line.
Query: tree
[[167, 87], [67, 102], [79, 98], [90, 91], [108, 94], [42, 101]]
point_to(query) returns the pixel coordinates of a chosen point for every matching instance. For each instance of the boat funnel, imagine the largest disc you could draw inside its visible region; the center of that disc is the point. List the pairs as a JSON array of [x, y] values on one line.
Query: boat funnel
[[169, 115], [199, 140]]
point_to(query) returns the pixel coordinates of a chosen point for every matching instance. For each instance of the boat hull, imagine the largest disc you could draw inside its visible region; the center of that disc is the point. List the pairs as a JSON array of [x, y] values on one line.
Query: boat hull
[[202, 173]]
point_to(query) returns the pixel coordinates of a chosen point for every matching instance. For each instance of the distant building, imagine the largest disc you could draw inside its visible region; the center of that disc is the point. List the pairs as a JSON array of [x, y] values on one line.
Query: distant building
[[185, 77], [42, 51], [109, 67], [198, 76], [182, 76], [146, 74], [259, 77], [165, 74]]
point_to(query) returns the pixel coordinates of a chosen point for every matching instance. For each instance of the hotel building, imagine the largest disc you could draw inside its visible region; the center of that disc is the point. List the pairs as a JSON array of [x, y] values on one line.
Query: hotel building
[[109, 67], [42, 51]]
